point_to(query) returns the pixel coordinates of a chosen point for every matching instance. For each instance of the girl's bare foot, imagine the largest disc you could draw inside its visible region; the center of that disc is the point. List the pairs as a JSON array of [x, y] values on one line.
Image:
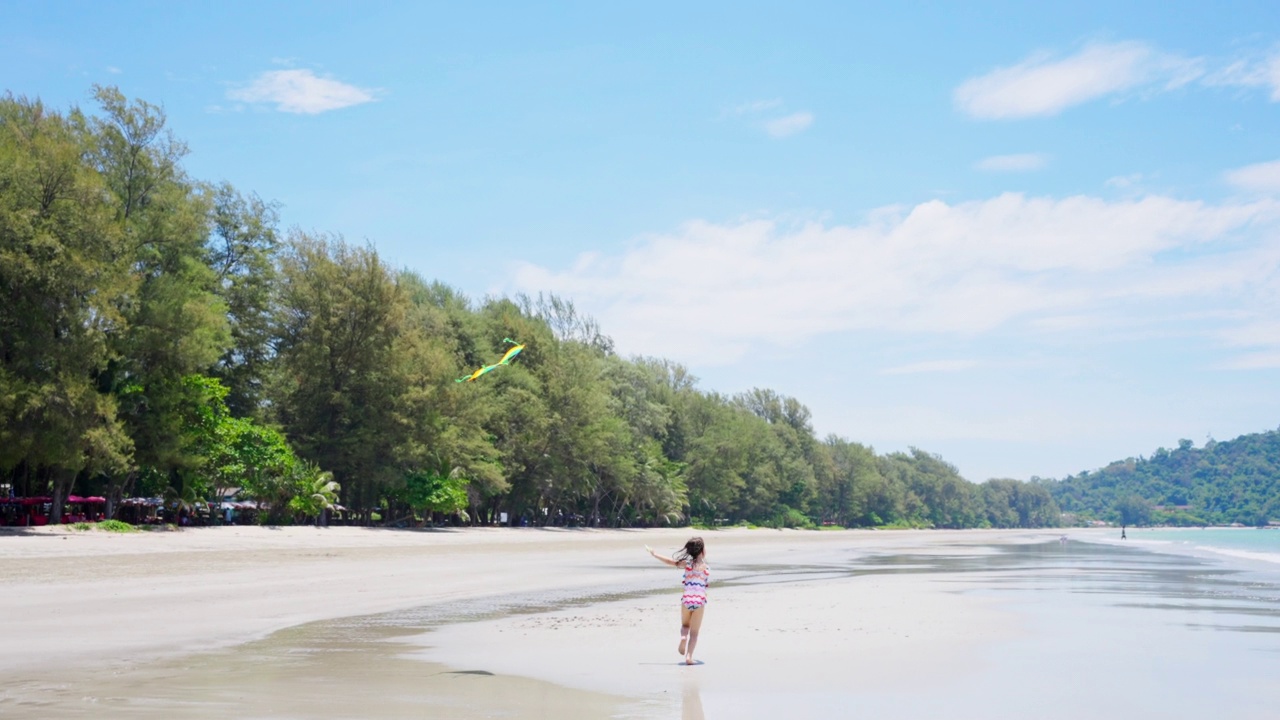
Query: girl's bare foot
[[688, 661], [683, 643]]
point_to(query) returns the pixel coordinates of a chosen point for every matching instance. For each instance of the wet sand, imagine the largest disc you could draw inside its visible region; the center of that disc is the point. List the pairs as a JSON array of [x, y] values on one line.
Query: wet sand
[[347, 622]]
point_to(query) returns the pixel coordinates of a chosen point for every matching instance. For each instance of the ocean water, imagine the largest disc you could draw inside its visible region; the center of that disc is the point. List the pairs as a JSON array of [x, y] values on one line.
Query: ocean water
[[1250, 544]]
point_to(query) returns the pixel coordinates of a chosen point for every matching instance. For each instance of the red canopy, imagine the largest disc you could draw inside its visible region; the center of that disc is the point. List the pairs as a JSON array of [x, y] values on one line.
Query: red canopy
[[26, 500]]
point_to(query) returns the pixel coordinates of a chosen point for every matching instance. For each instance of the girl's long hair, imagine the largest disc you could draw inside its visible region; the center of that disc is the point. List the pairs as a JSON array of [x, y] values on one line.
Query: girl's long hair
[[691, 552]]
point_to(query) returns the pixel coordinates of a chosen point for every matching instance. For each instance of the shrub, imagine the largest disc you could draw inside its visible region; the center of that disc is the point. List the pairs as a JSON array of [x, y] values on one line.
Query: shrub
[[116, 526]]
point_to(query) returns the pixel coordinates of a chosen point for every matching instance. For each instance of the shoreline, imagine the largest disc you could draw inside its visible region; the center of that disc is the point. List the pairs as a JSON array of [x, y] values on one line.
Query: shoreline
[[73, 598], [207, 622]]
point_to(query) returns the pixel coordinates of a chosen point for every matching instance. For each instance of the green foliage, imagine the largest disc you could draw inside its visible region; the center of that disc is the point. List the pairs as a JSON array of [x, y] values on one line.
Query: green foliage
[[116, 526], [241, 253], [314, 491], [341, 382], [1133, 510], [1235, 481], [64, 275], [788, 517], [429, 491]]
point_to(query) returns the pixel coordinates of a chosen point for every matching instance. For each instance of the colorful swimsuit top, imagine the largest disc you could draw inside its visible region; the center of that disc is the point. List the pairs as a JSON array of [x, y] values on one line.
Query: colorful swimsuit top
[[695, 584]]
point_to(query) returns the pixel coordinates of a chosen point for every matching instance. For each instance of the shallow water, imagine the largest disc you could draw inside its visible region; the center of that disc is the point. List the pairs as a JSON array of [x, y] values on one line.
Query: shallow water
[[1261, 545]]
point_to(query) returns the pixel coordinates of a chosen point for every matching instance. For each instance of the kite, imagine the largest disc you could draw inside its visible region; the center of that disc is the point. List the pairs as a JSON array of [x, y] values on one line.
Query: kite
[[506, 360], [477, 373], [512, 353]]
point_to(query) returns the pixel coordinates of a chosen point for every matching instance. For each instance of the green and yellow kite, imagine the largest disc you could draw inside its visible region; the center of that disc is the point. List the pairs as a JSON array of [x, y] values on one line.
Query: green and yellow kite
[[506, 360]]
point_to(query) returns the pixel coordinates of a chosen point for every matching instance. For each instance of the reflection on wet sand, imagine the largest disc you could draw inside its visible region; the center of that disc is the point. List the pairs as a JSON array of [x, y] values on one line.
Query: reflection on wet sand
[[691, 703]]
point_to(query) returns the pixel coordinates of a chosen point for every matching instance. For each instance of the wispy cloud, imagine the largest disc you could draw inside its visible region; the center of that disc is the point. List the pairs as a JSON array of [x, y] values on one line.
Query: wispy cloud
[[931, 366], [766, 114], [300, 91], [1256, 71], [114, 70], [709, 291], [1261, 177], [1125, 182], [789, 125], [1022, 162], [1042, 85]]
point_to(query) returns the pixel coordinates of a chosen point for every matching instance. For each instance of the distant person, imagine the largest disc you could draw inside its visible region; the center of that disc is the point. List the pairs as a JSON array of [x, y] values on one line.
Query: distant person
[[693, 559], [1122, 535]]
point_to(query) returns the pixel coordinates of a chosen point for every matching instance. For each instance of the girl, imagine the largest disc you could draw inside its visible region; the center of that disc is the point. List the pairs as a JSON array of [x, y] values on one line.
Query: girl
[[693, 558]]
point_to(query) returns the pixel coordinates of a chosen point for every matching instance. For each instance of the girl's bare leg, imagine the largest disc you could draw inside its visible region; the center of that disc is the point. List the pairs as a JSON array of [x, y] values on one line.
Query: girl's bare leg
[[695, 624], [684, 627]]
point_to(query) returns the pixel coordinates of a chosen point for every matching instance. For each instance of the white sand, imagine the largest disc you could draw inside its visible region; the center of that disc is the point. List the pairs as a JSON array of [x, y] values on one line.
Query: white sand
[[861, 632], [69, 597], [96, 621]]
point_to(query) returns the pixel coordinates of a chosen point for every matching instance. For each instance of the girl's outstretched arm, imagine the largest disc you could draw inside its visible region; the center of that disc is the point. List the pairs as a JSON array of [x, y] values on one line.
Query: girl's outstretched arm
[[664, 559]]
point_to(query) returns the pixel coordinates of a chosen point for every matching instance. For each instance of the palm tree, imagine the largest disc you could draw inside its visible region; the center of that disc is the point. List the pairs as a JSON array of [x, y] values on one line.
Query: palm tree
[[181, 498], [317, 491]]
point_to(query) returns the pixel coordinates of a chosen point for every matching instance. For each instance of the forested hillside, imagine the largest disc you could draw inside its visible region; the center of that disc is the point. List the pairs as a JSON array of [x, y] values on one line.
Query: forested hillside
[[1236, 481], [160, 337]]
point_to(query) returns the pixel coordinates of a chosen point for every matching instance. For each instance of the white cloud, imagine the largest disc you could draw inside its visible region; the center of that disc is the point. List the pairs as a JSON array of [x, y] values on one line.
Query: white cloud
[[1124, 182], [789, 125], [1041, 86], [1250, 72], [706, 293], [1261, 177], [300, 91], [779, 126], [1022, 162], [114, 70], [930, 366]]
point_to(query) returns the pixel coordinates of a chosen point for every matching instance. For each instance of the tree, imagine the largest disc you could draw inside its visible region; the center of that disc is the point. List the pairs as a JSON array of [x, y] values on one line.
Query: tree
[[260, 463], [314, 491], [1133, 510], [849, 490], [340, 384], [433, 491], [174, 324], [936, 494], [63, 277], [242, 252]]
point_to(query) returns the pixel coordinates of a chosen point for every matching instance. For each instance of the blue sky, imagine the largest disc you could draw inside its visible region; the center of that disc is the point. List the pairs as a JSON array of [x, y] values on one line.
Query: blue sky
[[1030, 240]]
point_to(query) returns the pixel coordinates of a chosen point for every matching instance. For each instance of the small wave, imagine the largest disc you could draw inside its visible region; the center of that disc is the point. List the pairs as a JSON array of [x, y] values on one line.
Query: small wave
[[1245, 554]]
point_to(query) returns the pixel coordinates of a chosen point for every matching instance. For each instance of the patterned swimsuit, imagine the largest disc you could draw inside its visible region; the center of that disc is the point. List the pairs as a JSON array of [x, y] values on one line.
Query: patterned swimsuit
[[695, 586]]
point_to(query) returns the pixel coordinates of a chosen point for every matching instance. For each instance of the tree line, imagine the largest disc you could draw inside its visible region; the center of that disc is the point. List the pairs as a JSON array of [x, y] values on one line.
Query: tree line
[[1235, 481], [160, 335]]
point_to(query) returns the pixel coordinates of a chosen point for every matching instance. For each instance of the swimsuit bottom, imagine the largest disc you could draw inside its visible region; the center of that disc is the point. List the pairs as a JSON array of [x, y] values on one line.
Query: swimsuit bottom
[[693, 603]]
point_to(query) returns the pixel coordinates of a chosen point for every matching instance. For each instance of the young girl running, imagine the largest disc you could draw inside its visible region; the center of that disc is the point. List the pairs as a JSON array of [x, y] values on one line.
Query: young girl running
[[693, 559]]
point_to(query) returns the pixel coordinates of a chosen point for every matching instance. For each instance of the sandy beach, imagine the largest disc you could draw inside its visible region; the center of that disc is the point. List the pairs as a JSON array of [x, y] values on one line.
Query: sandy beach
[[352, 622]]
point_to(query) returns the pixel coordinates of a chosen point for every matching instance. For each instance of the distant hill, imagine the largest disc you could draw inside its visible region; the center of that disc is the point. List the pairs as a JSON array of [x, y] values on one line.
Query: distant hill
[[1235, 481]]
